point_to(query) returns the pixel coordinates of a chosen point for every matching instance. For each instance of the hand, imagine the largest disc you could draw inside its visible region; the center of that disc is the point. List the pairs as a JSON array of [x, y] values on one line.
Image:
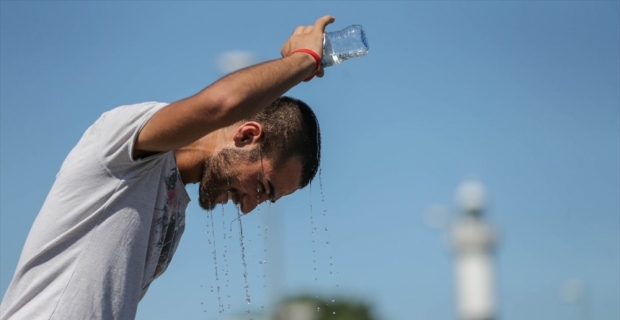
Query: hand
[[310, 37]]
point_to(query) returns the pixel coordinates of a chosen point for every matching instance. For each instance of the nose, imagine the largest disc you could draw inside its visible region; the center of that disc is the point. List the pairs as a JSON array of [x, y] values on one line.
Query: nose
[[250, 203]]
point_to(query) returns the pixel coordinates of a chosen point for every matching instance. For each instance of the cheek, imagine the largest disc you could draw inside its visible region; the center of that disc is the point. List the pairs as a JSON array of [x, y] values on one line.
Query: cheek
[[248, 186]]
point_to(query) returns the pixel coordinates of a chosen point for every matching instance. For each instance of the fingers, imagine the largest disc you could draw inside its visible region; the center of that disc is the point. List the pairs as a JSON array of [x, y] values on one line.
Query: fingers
[[320, 24], [303, 29], [320, 73], [323, 21], [299, 30], [308, 37]]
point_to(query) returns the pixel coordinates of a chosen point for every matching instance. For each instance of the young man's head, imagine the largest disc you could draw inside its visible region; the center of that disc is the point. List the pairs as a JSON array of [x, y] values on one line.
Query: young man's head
[[276, 152]]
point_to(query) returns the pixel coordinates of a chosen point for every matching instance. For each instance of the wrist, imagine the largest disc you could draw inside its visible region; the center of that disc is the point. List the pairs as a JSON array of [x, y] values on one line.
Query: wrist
[[311, 56]]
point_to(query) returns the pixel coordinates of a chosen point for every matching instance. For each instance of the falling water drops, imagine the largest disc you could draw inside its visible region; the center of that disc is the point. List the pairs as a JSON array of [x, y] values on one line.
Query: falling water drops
[[327, 242], [214, 252], [312, 233], [245, 265]]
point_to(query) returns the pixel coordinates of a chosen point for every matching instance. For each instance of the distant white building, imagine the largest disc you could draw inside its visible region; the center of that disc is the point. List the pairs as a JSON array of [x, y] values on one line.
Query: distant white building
[[473, 241]]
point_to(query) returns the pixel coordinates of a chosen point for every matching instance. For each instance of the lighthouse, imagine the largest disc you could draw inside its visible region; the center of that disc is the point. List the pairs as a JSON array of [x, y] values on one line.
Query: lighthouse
[[473, 241]]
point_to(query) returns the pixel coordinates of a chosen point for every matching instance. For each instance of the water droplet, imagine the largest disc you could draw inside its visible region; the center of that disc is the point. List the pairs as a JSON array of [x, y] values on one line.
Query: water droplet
[[245, 265], [318, 308], [333, 300], [334, 312]]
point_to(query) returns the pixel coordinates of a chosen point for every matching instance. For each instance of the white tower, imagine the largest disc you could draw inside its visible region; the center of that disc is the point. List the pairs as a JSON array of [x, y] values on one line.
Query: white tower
[[473, 241]]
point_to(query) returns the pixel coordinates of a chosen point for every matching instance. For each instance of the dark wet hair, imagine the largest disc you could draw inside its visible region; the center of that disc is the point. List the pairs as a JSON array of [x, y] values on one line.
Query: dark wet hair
[[291, 129]]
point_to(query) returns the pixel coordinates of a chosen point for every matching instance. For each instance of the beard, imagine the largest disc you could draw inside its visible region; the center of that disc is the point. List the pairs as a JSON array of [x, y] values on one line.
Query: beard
[[219, 173]]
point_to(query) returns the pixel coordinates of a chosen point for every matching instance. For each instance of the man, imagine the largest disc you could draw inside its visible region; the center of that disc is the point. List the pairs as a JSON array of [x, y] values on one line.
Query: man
[[114, 217]]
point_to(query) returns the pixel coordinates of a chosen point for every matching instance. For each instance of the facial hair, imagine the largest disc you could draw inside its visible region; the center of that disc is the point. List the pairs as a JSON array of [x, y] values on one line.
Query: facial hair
[[218, 173]]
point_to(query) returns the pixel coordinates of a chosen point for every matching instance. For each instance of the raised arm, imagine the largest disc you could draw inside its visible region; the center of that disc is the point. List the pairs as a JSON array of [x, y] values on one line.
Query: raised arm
[[235, 96]]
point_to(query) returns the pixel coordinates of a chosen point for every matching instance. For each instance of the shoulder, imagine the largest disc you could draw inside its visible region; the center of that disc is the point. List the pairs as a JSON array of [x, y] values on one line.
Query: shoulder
[[136, 110]]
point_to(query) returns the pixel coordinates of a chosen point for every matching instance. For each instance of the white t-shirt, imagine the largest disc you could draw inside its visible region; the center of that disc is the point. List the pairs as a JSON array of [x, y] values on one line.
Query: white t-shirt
[[108, 228]]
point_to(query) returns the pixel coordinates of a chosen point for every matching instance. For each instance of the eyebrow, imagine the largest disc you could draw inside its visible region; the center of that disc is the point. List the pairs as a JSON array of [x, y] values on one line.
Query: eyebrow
[[272, 192]]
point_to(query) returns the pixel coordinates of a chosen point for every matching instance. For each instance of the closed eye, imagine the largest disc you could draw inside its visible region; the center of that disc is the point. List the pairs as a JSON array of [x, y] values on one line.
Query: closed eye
[[272, 192], [264, 190]]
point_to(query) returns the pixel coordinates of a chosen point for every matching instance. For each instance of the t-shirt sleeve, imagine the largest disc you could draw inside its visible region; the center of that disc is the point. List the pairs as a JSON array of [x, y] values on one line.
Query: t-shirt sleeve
[[117, 131]]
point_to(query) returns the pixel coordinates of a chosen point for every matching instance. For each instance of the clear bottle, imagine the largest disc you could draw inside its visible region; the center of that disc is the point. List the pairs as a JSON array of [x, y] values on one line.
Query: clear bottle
[[342, 45]]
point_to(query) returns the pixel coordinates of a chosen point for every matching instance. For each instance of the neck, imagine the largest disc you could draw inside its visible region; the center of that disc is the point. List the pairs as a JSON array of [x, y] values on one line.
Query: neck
[[191, 158]]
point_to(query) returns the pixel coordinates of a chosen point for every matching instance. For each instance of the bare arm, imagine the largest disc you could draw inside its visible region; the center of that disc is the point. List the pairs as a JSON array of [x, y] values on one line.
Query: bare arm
[[233, 97]]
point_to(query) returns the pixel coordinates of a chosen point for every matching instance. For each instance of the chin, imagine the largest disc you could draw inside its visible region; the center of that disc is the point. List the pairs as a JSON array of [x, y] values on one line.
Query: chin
[[205, 202]]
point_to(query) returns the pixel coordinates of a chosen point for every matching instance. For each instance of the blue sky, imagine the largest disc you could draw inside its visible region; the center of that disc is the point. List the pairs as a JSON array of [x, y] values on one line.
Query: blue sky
[[521, 95]]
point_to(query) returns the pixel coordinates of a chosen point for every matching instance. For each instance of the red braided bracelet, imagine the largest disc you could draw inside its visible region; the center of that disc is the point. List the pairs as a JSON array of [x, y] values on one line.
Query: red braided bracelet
[[316, 58]]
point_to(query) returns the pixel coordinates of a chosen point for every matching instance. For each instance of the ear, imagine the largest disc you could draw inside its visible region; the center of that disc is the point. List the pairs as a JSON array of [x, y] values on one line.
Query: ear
[[247, 134]]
